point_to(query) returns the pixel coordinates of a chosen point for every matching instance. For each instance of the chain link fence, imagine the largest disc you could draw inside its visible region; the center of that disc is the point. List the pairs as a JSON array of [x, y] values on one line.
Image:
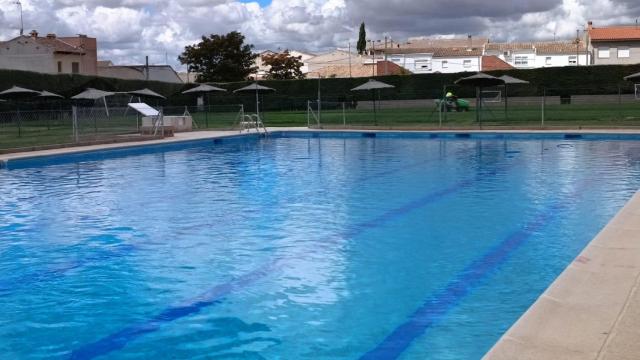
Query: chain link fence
[[527, 107], [553, 108]]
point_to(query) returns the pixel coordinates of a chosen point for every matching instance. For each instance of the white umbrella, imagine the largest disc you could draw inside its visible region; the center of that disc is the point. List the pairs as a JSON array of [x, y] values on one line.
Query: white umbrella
[[203, 88], [509, 80], [257, 88], [373, 85], [92, 94], [17, 93], [146, 93], [48, 94], [480, 80]]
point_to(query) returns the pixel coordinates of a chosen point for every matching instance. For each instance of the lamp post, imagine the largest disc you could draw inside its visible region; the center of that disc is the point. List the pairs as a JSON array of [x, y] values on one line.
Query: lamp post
[[373, 56], [17, 2]]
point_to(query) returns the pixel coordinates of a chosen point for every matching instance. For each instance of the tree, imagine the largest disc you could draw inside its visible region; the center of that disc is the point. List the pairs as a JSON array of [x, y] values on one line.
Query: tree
[[283, 66], [220, 58], [362, 40]]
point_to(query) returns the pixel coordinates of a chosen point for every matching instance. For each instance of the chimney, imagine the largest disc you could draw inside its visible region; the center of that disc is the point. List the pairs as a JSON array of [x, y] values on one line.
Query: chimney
[[33, 34], [590, 25], [51, 36], [470, 42]]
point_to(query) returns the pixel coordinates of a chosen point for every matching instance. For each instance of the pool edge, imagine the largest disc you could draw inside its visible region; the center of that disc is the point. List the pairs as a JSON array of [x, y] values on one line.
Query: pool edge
[[592, 308], [5, 159]]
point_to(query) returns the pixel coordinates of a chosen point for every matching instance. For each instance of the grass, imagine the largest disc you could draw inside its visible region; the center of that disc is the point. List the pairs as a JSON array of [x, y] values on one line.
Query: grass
[[48, 132]]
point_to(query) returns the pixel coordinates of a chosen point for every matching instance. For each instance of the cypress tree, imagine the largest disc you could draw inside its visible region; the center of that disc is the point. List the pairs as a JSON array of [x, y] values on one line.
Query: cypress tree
[[362, 40]]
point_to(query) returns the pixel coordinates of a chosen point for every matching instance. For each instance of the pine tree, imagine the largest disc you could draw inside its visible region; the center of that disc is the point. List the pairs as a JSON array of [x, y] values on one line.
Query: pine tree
[[362, 40]]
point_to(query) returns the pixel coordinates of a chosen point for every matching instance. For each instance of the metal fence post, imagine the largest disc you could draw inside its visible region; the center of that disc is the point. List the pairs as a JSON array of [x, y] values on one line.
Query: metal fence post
[[308, 119], [206, 116], [544, 99], [620, 102], [344, 116], [74, 122]]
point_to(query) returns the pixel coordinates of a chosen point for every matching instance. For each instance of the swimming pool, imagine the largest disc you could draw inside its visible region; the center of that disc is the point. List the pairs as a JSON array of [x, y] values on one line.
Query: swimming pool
[[300, 245]]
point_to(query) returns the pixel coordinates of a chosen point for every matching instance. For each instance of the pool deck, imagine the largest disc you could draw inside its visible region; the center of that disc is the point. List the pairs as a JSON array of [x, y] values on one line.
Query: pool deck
[[591, 310]]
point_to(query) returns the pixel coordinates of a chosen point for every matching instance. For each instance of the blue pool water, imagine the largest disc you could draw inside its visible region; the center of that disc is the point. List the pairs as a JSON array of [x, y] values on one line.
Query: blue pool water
[[298, 246]]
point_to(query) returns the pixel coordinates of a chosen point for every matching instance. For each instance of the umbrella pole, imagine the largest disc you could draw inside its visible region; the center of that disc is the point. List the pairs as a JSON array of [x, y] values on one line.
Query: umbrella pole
[[206, 114], [257, 104], [478, 105], [506, 100], [19, 123], [375, 118]]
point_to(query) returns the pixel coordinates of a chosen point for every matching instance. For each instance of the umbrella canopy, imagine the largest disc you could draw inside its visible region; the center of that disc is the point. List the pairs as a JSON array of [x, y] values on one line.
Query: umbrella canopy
[[254, 87], [92, 94], [510, 80], [632, 77], [480, 80], [17, 91], [146, 92], [48, 94], [373, 85], [204, 88]]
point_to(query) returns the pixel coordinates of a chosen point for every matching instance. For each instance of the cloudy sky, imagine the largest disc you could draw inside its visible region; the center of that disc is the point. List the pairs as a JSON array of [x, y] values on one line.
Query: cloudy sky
[[129, 29]]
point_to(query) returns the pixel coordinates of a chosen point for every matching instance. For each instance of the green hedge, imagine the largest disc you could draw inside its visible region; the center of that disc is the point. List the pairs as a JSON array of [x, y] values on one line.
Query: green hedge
[[292, 95]]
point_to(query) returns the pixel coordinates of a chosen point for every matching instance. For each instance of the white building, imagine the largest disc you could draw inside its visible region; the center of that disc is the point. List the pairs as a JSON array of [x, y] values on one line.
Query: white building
[[50, 54], [531, 55], [436, 60]]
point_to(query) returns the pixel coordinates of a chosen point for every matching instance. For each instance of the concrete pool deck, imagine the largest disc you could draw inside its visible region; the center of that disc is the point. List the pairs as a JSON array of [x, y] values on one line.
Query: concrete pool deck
[[592, 310], [589, 312]]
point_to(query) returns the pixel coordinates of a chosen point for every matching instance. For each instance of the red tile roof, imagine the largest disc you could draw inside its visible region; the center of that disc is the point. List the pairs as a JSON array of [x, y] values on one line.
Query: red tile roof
[[615, 33], [490, 63]]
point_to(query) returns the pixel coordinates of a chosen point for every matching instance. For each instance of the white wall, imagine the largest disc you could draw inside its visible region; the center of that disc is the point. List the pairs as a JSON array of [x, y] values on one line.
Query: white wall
[[558, 60], [25, 54], [416, 63], [427, 64], [456, 64]]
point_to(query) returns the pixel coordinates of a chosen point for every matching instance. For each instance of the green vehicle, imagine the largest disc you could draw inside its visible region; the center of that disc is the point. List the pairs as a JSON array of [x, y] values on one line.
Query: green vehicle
[[453, 103]]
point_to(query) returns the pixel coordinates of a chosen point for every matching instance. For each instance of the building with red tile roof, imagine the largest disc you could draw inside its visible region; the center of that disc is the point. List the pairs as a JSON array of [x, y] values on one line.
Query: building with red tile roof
[[50, 54], [613, 45]]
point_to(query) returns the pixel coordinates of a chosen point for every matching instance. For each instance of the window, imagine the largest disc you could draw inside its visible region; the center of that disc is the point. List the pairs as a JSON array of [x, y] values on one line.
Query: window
[[547, 61], [59, 66], [445, 64], [604, 53], [466, 63], [396, 60], [522, 61], [573, 60], [624, 52], [423, 65], [75, 67]]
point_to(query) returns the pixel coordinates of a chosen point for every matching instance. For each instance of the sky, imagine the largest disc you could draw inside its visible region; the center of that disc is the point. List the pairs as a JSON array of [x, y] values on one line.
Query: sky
[[127, 30]]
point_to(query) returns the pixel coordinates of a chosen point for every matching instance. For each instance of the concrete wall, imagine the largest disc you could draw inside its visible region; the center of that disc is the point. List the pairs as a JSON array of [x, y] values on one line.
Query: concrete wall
[[428, 64], [25, 54], [89, 61], [558, 60], [456, 64], [633, 46]]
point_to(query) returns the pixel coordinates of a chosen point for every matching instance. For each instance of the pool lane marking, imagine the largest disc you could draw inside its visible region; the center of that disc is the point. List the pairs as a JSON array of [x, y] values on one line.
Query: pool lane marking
[[121, 338], [434, 308], [59, 270]]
